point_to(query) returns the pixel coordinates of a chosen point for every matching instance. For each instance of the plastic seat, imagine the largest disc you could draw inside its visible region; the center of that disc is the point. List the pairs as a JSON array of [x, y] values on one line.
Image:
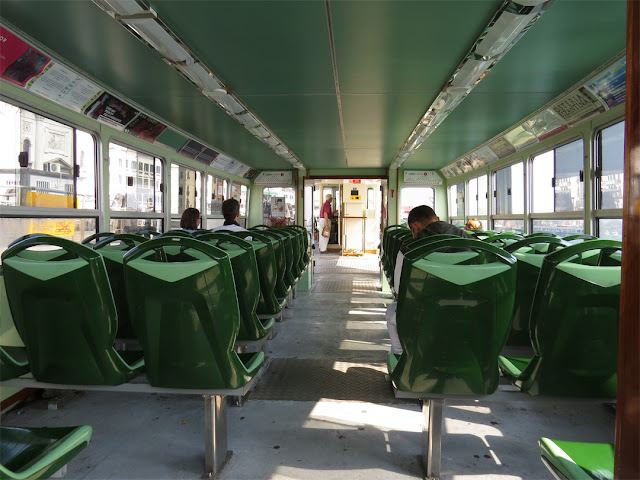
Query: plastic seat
[[268, 303], [583, 237], [395, 242], [247, 281], [186, 316], [31, 453], [300, 233], [573, 326], [13, 362], [112, 250], [530, 253], [305, 242], [453, 320], [284, 257], [577, 461], [42, 253], [96, 237], [64, 312], [503, 239], [386, 235]]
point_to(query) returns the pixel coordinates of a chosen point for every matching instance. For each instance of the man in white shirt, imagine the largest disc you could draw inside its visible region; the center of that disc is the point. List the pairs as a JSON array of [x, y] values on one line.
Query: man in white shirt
[[231, 213]]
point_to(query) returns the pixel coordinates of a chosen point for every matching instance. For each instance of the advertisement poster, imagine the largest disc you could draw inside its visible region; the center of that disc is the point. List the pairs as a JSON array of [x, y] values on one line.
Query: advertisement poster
[[111, 111], [207, 156], [278, 207], [62, 86], [422, 177], [18, 61], [577, 106], [191, 149], [609, 86], [520, 138], [145, 128], [502, 148], [544, 123], [274, 177]]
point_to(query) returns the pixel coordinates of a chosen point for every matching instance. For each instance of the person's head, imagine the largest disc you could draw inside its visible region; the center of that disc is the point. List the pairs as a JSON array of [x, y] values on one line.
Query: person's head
[[473, 224], [190, 219], [231, 210], [328, 197], [420, 217]]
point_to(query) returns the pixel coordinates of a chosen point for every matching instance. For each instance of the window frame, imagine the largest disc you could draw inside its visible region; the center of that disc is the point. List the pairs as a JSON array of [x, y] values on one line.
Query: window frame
[[491, 213], [598, 213], [174, 218]]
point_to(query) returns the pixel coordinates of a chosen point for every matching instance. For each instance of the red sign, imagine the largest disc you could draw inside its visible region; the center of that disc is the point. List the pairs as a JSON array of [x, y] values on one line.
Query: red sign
[[356, 181], [18, 61]]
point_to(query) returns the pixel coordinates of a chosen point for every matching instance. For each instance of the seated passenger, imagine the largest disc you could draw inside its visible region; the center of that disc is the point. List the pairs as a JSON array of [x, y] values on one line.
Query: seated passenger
[[423, 222], [473, 224], [231, 213], [190, 220]]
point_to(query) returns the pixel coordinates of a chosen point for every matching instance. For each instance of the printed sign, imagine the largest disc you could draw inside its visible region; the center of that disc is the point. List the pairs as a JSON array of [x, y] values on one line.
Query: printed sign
[[19, 62], [422, 177], [111, 111], [145, 128], [274, 177]]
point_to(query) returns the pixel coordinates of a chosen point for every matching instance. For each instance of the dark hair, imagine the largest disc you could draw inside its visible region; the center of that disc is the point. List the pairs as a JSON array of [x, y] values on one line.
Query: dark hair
[[421, 213], [230, 209], [189, 220]]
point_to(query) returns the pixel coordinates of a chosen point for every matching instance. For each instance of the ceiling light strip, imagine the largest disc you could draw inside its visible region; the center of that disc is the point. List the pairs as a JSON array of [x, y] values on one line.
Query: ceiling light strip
[[508, 25], [143, 22]]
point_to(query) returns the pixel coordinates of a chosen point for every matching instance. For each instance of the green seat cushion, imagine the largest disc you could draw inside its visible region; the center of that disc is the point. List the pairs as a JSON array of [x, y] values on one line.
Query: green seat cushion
[[579, 461], [513, 366]]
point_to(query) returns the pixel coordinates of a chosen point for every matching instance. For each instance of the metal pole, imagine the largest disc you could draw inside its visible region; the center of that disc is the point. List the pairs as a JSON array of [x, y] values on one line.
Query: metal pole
[[432, 437], [215, 442]]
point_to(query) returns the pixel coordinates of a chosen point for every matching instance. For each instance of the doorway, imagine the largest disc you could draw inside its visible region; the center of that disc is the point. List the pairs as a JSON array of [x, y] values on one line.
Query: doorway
[[358, 212]]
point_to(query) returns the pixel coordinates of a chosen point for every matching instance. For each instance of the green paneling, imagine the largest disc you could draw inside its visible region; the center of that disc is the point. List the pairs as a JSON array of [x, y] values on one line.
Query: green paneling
[[393, 57], [172, 139]]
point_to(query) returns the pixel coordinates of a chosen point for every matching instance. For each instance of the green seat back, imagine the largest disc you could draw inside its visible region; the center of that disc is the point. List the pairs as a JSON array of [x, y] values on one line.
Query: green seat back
[[397, 238], [31, 453], [247, 281], [305, 242], [284, 259], [112, 250], [13, 362], [578, 461], [96, 237], [186, 315], [389, 232], [574, 326], [296, 251], [453, 320], [65, 314], [268, 303]]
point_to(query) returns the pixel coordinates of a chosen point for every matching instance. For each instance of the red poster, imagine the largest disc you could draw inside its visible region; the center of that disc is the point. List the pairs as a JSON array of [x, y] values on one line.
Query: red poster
[[18, 61]]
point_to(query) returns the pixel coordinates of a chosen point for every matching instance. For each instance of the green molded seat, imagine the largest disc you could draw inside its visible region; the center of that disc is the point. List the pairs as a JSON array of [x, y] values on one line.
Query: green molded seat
[[573, 327], [386, 236], [530, 253], [42, 252], [295, 243], [395, 242], [112, 250], [64, 312], [186, 316], [96, 237], [300, 233], [31, 453], [247, 281], [305, 242], [581, 236], [576, 460], [268, 303], [284, 258], [453, 320], [503, 239], [541, 234], [177, 232], [13, 362], [148, 233]]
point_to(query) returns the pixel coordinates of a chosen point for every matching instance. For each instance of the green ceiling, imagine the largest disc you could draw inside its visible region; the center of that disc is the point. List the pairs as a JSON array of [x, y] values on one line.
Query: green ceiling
[[392, 58]]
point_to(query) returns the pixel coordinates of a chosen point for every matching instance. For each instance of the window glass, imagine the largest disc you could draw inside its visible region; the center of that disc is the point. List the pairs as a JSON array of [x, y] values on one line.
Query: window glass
[[38, 162], [132, 187], [557, 184], [411, 197], [239, 192], [508, 184], [216, 194], [472, 197], [559, 227], [457, 222], [483, 199], [610, 228], [134, 225], [185, 185], [516, 226], [279, 206], [75, 229], [456, 200], [371, 198], [611, 166]]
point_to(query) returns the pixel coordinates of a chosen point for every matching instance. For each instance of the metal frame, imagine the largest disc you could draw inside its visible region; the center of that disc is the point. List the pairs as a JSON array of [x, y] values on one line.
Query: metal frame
[[432, 413], [215, 409]]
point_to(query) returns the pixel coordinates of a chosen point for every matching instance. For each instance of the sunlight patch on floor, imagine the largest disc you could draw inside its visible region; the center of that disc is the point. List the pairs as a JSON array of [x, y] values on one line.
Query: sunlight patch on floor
[[383, 417]]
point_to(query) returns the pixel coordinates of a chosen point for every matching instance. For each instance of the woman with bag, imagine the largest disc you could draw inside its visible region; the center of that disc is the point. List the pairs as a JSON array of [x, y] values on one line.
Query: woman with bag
[[324, 224]]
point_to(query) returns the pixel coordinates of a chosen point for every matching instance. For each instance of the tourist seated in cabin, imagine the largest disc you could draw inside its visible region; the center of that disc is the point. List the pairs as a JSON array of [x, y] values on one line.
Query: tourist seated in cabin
[[190, 220], [231, 214], [423, 222], [473, 224]]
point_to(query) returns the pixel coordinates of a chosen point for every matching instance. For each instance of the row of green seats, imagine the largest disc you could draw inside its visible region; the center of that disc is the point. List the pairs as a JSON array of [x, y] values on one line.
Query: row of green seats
[[186, 314]]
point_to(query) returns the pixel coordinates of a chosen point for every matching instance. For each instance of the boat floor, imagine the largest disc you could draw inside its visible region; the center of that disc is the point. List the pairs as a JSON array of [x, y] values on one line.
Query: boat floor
[[323, 409]]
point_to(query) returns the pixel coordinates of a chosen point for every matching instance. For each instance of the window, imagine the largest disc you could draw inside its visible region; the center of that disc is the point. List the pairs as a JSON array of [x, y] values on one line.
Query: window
[[508, 193], [411, 197], [456, 201], [477, 199], [610, 181], [279, 206], [558, 179], [516, 226], [45, 163], [216, 194], [185, 185], [371, 198], [610, 228], [240, 193], [128, 193], [560, 227]]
